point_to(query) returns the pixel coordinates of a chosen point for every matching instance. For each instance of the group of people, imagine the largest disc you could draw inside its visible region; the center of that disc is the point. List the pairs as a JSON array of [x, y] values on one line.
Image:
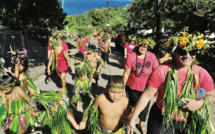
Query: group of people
[[174, 84]]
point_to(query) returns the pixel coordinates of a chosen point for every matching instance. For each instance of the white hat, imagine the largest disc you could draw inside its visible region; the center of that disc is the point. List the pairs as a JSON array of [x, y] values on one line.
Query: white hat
[[199, 12]]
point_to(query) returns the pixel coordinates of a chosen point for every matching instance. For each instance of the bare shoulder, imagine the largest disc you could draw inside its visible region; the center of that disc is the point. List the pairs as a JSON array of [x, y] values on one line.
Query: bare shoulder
[[100, 97]]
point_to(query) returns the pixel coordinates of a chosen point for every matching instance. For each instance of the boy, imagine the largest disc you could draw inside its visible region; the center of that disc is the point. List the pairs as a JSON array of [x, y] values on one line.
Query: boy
[[109, 109], [104, 47], [95, 62], [83, 78]]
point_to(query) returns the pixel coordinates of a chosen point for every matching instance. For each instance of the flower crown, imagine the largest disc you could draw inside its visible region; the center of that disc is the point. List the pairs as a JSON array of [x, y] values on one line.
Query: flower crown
[[196, 41], [150, 42]]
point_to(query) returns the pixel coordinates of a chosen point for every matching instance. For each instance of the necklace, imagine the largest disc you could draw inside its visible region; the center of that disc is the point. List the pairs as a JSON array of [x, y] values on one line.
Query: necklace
[[142, 65]]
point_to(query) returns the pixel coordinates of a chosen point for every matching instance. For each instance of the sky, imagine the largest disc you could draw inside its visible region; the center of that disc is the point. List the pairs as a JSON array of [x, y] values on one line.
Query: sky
[[73, 7]]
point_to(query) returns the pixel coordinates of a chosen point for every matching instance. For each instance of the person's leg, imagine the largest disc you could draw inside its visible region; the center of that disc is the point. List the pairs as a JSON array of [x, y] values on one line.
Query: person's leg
[[142, 117], [155, 120], [63, 80], [78, 102]]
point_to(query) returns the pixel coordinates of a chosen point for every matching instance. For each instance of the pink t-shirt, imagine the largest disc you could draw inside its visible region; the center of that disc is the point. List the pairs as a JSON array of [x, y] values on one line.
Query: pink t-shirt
[[130, 47], [103, 46], [62, 66], [139, 83], [82, 49], [158, 77], [63, 44]]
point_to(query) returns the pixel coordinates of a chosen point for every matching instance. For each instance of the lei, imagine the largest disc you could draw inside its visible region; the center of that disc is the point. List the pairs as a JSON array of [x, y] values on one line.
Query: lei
[[170, 101]]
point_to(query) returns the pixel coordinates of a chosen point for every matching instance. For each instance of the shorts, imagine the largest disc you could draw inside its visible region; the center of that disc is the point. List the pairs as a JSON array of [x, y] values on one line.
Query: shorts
[[105, 56], [133, 97], [155, 123]]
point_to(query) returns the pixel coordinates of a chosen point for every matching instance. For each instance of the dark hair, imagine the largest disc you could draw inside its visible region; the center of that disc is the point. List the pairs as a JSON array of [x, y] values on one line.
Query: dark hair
[[8, 79], [116, 79], [92, 47], [23, 62], [79, 55]]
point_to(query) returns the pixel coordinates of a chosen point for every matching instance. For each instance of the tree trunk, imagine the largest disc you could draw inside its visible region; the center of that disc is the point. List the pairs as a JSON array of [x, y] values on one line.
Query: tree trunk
[[158, 20]]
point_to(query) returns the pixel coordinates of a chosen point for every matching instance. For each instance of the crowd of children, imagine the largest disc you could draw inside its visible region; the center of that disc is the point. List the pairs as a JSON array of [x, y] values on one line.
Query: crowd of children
[[22, 104]]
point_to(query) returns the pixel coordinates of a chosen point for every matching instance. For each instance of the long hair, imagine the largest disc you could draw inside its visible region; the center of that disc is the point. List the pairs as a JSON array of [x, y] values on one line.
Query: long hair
[[8, 79]]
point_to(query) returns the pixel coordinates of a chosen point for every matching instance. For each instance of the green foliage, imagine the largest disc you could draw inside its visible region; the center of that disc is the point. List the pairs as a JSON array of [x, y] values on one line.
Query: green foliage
[[171, 12], [18, 14], [99, 18]]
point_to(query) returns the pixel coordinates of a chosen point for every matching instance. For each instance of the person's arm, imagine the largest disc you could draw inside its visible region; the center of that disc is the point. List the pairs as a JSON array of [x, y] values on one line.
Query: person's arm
[[80, 126], [126, 75], [125, 52], [109, 47], [127, 111], [49, 65], [49, 54], [65, 54], [148, 93], [17, 67], [100, 66]]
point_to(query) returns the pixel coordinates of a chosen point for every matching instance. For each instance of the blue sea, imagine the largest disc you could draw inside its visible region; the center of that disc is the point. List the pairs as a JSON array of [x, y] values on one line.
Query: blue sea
[[73, 7]]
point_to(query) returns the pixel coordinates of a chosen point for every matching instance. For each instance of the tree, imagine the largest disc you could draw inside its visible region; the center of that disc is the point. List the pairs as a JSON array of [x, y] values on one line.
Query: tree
[[169, 13], [17, 14]]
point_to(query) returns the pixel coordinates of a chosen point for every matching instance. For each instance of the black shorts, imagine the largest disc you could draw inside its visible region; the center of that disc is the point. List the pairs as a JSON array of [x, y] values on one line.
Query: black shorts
[[134, 96], [155, 123], [105, 56]]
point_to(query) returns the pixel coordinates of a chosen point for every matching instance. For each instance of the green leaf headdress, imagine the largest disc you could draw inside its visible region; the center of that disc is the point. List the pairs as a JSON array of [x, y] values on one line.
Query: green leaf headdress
[[150, 42], [105, 37], [196, 41]]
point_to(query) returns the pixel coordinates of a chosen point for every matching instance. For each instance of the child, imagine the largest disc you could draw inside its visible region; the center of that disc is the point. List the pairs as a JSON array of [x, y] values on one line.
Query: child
[[81, 44], [14, 106], [20, 71], [53, 112], [60, 61], [95, 62], [84, 78], [109, 108], [104, 47]]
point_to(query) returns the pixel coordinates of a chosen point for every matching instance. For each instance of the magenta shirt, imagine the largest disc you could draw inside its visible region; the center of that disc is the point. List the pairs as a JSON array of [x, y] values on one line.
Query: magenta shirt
[[139, 83], [130, 47], [158, 77], [62, 66], [104, 43]]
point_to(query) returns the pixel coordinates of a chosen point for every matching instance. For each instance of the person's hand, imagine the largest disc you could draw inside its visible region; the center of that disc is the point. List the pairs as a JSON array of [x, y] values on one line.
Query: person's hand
[[193, 105], [90, 84], [33, 113], [69, 70], [131, 127], [110, 54], [48, 71], [125, 56], [82, 125]]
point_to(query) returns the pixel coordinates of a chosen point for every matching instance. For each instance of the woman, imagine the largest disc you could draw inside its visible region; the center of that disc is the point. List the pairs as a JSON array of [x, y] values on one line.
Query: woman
[[20, 69], [129, 46], [138, 67], [60, 61], [177, 82]]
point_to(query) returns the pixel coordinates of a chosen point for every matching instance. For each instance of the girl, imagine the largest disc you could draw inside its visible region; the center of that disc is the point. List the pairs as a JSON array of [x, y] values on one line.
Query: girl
[[20, 69], [59, 61], [15, 106]]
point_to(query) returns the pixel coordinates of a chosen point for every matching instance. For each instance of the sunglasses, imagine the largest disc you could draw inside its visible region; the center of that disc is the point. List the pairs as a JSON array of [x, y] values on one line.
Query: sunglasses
[[183, 52]]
